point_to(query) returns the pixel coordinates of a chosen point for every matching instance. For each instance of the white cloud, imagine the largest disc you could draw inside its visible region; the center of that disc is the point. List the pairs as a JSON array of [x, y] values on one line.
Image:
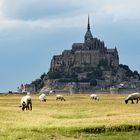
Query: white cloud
[[64, 13], [121, 11], [44, 23], [1, 8]]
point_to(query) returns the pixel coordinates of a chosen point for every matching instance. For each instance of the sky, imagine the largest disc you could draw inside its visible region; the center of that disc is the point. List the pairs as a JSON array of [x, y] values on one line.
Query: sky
[[31, 32]]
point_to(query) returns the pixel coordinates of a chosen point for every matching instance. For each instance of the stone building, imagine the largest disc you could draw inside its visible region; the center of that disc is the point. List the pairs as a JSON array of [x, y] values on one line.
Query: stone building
[[92, 52], [27, 88]]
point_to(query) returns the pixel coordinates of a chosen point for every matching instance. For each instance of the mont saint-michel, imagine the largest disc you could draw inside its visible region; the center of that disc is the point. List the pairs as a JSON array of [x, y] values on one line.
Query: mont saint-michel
[[86, 66]]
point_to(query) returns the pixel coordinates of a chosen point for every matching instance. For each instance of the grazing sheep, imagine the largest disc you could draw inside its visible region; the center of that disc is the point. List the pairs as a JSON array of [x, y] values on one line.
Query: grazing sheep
[[42, 97], [60, 97], [26, 103], [51, 91], [133, 96], [94, 96]]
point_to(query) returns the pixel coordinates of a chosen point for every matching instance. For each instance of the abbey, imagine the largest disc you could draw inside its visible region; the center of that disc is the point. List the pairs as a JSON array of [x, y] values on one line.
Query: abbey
[[88, 66], [91, 53]]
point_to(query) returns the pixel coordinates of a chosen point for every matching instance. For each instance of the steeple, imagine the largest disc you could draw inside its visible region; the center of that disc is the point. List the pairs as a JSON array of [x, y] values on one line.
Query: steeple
[[88, 26], [88, 34]]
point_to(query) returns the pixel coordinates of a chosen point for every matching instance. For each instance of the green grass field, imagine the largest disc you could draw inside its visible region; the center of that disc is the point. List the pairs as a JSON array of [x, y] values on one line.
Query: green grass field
[[77, 118]]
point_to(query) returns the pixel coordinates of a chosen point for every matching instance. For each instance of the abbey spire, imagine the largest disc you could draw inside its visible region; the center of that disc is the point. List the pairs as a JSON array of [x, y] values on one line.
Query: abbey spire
[[88, 26], [88, 35]]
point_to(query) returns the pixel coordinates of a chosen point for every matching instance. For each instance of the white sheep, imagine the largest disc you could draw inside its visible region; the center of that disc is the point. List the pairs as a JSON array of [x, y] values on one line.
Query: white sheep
[[26, 103], [94, 96], [52, 92], [60, 97], [42, 97], [133, 96]]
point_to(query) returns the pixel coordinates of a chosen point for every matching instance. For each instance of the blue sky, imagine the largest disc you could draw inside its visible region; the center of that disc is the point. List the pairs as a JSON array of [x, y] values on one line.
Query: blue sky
[[31, 32]]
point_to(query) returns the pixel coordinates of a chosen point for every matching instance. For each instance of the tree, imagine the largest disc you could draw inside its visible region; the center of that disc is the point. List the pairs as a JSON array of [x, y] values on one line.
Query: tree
[[38, 84], [136, 74], [54, 75], [42, 76], [129, 73], [93, 82]]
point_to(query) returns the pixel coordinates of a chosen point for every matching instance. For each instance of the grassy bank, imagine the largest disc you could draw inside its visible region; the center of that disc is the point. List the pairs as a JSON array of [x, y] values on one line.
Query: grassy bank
[[76, 118]]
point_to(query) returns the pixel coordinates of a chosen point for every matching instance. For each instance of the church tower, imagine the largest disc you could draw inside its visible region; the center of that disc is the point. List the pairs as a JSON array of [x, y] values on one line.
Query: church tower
[[88, 35]]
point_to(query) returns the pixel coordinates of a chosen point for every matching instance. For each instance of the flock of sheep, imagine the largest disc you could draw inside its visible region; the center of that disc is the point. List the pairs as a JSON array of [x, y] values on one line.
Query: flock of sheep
[[26, 102]]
